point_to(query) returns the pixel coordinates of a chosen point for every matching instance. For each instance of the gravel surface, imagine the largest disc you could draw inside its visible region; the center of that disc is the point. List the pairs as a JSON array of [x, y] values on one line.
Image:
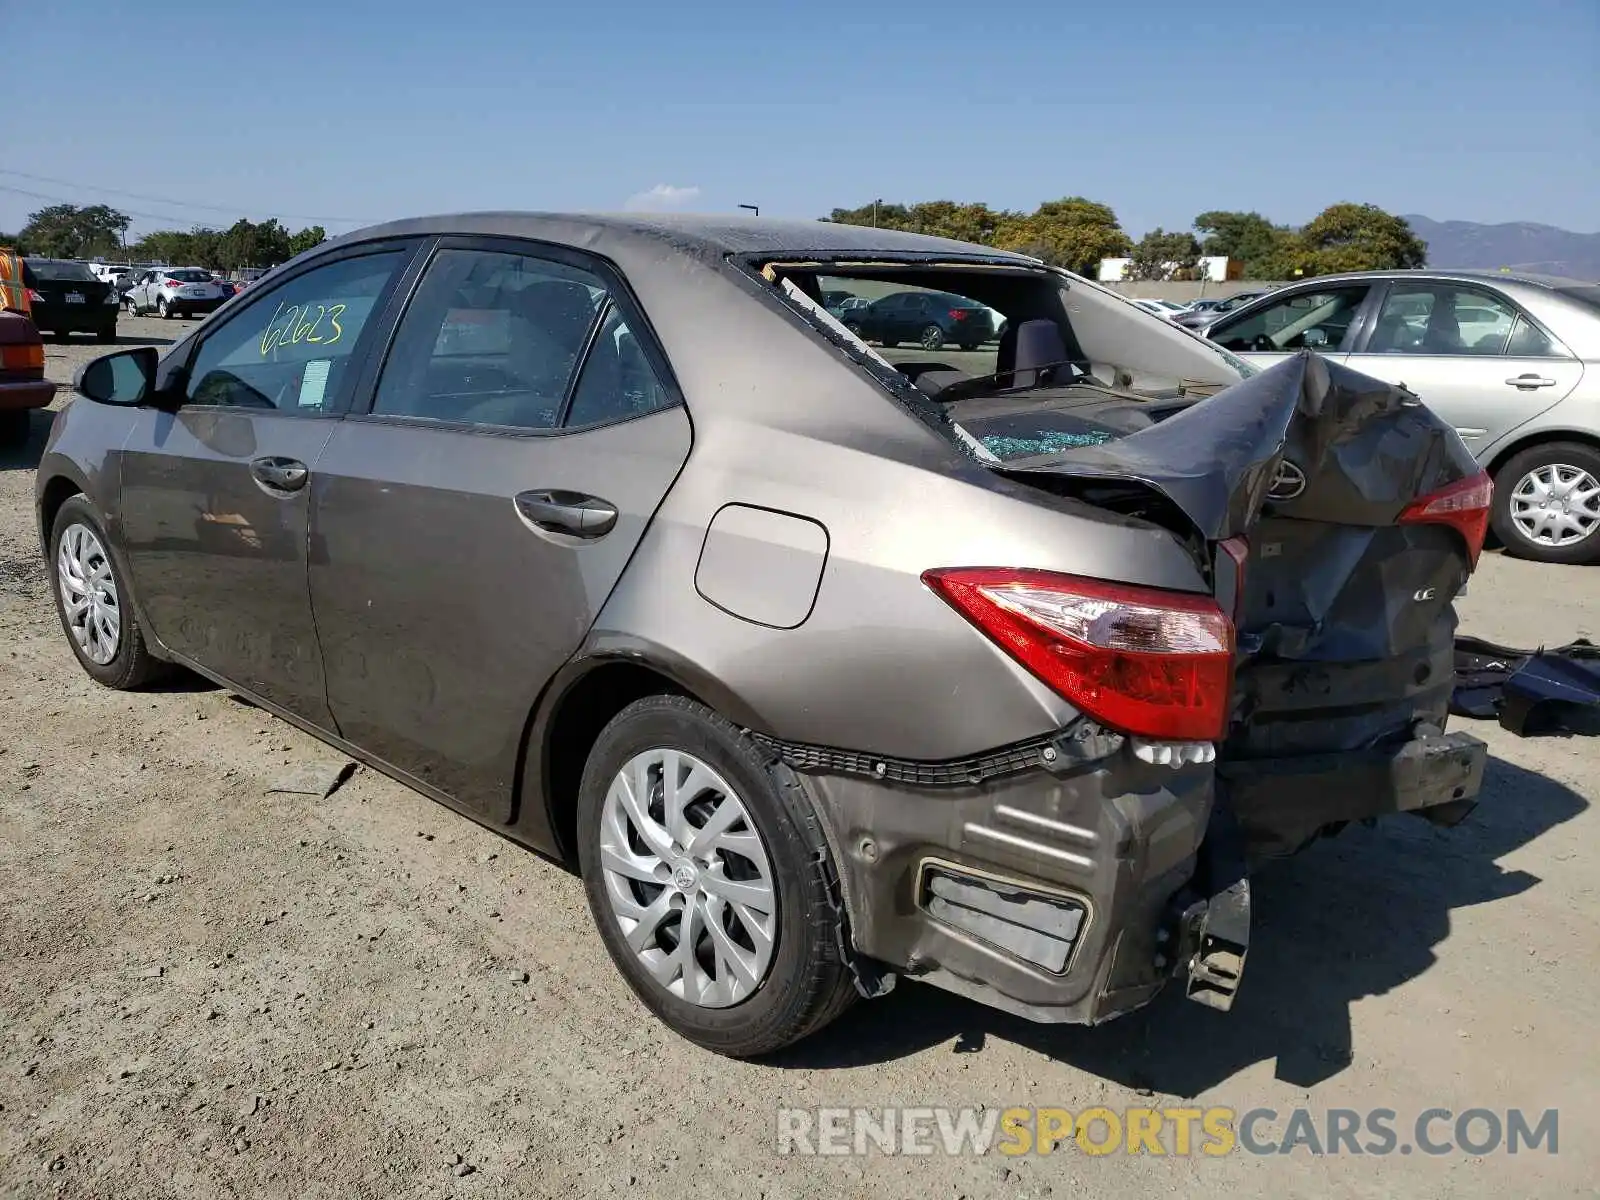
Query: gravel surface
[[209, 990]]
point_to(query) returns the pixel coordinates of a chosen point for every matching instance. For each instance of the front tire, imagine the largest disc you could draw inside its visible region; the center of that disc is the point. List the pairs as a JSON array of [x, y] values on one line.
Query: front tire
[[93, 602], [709, 879], [1547, 504]]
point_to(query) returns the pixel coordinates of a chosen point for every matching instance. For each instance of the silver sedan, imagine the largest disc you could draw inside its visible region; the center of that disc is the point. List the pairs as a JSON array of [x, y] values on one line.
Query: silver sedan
[[1511, 361]]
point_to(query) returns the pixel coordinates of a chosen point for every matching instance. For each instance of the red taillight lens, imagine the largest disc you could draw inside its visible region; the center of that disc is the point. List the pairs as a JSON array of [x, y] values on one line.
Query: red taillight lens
[[34, 297], [1464, 506], [958, 314], [22, 358], [1147, 662]]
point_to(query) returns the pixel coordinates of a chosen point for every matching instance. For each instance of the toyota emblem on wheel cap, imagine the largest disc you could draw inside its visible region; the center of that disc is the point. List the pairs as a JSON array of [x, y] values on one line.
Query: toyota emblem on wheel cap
[[1288, 483]]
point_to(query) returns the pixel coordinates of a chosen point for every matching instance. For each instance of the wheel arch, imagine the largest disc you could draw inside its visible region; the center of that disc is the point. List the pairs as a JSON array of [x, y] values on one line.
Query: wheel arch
[[60, 488], [1541, 437], [577, 705]]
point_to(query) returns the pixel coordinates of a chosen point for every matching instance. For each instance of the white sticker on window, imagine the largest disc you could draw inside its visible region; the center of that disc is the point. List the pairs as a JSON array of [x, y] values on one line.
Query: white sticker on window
[[314, 382]]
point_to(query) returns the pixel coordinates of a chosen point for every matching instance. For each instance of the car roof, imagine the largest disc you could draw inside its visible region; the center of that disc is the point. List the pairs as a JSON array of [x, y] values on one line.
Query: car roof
[[1526, 278], [700, 234]]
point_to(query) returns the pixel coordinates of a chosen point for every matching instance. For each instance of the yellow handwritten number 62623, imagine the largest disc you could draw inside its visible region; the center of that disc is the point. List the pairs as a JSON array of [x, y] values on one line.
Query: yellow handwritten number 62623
[[298, 325]]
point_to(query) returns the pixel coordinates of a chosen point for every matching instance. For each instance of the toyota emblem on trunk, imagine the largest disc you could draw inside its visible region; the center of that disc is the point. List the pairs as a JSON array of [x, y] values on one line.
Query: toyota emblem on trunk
[[1288, 483]]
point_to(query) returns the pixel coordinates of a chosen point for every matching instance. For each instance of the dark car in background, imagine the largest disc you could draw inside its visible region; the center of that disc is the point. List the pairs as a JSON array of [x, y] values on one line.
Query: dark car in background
[[1202, 312], [930, 319], [67, 298]]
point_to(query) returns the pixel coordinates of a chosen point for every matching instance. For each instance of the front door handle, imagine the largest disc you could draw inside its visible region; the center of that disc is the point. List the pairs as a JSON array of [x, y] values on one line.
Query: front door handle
[[280, 474], [1526, 383], [571, 513]]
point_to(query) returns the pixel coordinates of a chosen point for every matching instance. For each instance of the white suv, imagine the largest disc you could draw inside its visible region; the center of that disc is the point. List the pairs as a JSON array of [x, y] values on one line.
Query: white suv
[[175, 292]]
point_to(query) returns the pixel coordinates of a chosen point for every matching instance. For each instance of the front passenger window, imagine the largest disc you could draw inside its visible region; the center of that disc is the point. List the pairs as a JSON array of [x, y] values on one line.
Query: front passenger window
[[287, 349], [1317, 320]]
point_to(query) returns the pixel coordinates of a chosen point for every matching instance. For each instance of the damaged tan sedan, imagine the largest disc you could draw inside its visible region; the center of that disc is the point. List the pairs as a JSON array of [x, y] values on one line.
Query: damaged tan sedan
[[994, 669]]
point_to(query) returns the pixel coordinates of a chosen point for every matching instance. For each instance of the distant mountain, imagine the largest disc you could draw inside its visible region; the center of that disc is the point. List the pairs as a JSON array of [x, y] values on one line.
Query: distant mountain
[[1520, 246]]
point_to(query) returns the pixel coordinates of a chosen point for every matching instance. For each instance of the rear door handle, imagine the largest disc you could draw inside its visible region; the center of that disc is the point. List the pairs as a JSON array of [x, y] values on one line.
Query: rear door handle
[[280, 474], [1527, 383], [572, 513]]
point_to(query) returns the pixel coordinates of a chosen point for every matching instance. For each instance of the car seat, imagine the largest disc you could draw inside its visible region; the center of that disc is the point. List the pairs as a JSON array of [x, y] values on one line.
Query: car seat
[[1025, 347]]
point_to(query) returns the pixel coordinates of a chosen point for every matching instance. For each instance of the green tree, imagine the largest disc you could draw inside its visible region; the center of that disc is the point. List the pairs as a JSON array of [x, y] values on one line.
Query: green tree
[[1163, 255], [310, 236], [1073, 232], [247, 244], [1358, 237], [878, 215], [70, 231], [1262, 250]]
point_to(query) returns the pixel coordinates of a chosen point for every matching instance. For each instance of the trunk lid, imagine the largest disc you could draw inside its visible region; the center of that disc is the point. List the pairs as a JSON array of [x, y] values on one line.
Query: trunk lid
[[1345, 617]]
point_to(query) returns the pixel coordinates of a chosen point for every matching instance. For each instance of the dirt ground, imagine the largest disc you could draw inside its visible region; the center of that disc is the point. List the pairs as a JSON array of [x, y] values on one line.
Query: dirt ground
[[207, 990]]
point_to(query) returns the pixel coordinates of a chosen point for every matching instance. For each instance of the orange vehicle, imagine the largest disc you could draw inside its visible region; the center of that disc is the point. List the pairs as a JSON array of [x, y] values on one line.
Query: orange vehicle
[[13, 295], [23, 386]]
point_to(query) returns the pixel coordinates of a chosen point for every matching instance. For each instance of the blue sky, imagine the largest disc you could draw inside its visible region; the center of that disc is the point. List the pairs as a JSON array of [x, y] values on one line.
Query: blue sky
[[347, 111]]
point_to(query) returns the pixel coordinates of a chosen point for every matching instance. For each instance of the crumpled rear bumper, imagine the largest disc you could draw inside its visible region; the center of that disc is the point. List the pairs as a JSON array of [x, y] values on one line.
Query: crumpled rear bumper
[[1097, 849], [1074, 889], [1283, 803]]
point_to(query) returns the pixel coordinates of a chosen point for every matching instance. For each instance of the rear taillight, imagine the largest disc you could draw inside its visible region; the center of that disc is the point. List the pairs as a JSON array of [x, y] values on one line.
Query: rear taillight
[[22, 358], [958, 314], [1147, 662], [1464, 506], [34, 297]]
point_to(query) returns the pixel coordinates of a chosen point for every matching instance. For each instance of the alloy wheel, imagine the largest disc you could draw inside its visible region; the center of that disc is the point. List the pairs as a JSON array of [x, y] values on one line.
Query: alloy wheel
[[89, 594], [932, 338], [1556, 505], [688, 878]]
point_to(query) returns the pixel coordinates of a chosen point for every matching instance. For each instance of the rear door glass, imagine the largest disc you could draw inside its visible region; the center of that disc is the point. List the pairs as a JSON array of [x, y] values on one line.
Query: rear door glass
[[490, 338]]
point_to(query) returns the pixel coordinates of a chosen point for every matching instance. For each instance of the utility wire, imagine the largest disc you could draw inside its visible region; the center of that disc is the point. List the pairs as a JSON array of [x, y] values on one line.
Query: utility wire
[[223, 208], [127, 212]]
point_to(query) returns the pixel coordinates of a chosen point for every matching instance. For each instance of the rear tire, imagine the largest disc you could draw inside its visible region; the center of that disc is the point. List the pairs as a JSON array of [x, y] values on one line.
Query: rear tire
[[931, 338], [127, 663], [803, 982], [164, 309], [106, 335], [1536, 502]]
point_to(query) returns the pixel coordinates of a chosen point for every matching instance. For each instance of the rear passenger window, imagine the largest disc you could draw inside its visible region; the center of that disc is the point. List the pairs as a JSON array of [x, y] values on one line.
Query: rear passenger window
[[490, 338], [1528, 341], [617, 381]]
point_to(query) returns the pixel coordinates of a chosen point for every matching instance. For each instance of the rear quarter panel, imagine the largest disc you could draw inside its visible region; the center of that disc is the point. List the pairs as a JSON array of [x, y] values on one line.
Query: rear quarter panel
[[784, 421]]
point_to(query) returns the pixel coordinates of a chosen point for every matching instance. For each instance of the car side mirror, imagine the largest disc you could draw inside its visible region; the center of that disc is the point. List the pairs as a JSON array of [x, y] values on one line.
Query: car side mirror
[[125, 378]]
